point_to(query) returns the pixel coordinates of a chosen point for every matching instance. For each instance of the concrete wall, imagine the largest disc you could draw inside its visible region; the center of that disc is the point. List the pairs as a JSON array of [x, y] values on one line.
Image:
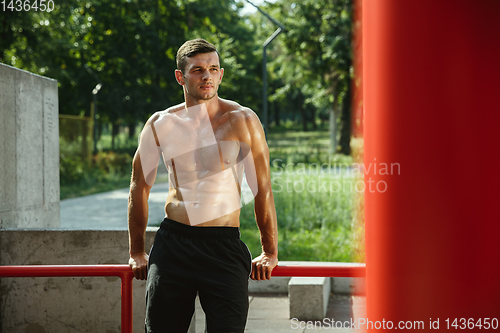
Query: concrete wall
[[29, 150], [42, 305]]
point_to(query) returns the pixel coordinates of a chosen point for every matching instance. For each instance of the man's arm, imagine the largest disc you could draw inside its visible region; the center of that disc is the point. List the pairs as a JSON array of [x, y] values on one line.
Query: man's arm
[[265, 211], [144, 168]]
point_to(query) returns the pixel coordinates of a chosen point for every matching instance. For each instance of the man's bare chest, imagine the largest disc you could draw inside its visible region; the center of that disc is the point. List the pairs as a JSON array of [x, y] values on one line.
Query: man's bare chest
[[211, 147]]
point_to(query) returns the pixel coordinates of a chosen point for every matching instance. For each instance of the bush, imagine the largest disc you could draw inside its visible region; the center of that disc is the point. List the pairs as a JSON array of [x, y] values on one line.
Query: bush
[[72, 169], [112, 163], [109, 172]]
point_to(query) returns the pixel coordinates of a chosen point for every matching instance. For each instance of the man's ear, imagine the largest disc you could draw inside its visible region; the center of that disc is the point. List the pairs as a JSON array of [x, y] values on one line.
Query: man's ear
[[179, 77], [221, 74]]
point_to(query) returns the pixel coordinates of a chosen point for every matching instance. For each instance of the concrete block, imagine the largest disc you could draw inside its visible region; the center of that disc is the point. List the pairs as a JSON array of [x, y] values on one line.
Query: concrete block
[[279, 285], [51, 142], [29, 144], [7, 140], [275, 285], [348, 286], [308, 297], [29, 139]]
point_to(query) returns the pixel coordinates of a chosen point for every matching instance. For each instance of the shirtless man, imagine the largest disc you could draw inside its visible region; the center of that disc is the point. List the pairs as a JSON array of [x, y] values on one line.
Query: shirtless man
[[207, 144]]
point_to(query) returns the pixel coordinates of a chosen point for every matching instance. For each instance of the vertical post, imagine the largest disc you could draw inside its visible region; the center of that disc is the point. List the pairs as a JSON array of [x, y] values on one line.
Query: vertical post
[[264, 88], [94, 120], [91, 134], [333, 129], [264, 63], [264, 73], [127, 305], [95, 91]]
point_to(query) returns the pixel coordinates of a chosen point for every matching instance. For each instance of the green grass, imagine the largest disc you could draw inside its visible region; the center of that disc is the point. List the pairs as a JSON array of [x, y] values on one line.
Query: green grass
[[322, 223], [319, 224], [303, 147]]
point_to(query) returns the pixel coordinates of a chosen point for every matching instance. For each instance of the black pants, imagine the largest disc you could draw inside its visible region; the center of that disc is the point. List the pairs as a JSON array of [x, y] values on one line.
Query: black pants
[[186, 260]]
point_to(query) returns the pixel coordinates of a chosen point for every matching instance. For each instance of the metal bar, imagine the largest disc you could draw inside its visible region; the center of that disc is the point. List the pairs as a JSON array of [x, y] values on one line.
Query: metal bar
[[267, 15], [264, 88], [63, 270], [326, 269], [94, 121], [273, 36], [264, 63], [127, 302], [91, 131], [122, 271], [264, 77], [284, 268]]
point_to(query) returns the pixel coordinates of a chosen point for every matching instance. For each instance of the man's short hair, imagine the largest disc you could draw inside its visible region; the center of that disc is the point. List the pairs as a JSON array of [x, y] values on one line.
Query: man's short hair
[[192, 48]]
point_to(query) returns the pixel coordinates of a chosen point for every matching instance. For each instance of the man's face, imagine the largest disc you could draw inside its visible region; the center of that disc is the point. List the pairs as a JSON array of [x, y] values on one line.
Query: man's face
[[202, 76]]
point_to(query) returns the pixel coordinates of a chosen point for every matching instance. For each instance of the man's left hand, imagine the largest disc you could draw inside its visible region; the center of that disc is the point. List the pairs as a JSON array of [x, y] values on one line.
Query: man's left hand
[[263, 265]]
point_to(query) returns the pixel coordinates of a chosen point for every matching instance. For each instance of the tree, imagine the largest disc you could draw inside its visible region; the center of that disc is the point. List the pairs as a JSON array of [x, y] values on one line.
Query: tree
[[129, 47], [317, 57]]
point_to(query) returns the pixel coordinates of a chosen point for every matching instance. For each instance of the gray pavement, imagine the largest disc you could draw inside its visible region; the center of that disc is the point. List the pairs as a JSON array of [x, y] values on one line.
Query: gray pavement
[[108, 210], [268, 313]]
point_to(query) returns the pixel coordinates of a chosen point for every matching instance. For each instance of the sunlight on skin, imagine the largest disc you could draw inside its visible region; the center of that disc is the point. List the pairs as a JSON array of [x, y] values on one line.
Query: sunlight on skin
[[196, 161]]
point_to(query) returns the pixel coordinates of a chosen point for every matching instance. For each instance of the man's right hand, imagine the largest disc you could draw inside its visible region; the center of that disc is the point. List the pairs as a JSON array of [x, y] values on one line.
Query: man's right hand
[[139, 264]]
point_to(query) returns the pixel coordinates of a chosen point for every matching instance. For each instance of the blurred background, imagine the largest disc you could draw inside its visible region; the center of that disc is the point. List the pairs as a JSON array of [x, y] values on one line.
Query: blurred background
[[114, 62]]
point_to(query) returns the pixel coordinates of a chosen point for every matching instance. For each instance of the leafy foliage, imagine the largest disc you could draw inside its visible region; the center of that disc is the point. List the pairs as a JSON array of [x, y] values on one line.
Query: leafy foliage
[[129, 47], [313, 61]]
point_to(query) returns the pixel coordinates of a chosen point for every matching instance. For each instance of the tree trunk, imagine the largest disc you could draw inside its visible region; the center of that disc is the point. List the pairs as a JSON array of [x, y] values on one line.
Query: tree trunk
[[131, 130], [303, 113], [333, 128], [334, 115], [313, 114], [345, 122], [304, 118], [114, 132], [276, 111], [84, 129], [99, 129]]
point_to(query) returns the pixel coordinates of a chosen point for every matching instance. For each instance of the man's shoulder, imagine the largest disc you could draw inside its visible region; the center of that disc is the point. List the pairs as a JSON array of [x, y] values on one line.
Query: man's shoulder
[[170, 111], [239, 113], [173, 109], [245, 122], [163, 116]]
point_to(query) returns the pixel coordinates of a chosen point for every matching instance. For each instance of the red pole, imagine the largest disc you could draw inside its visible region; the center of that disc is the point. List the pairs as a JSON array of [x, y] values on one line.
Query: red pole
[[122, 271], [430, 91], [127, 302], [326, 269]]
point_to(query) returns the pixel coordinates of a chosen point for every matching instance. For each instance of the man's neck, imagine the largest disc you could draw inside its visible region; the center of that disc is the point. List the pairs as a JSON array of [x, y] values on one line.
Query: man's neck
[[212, 105]]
